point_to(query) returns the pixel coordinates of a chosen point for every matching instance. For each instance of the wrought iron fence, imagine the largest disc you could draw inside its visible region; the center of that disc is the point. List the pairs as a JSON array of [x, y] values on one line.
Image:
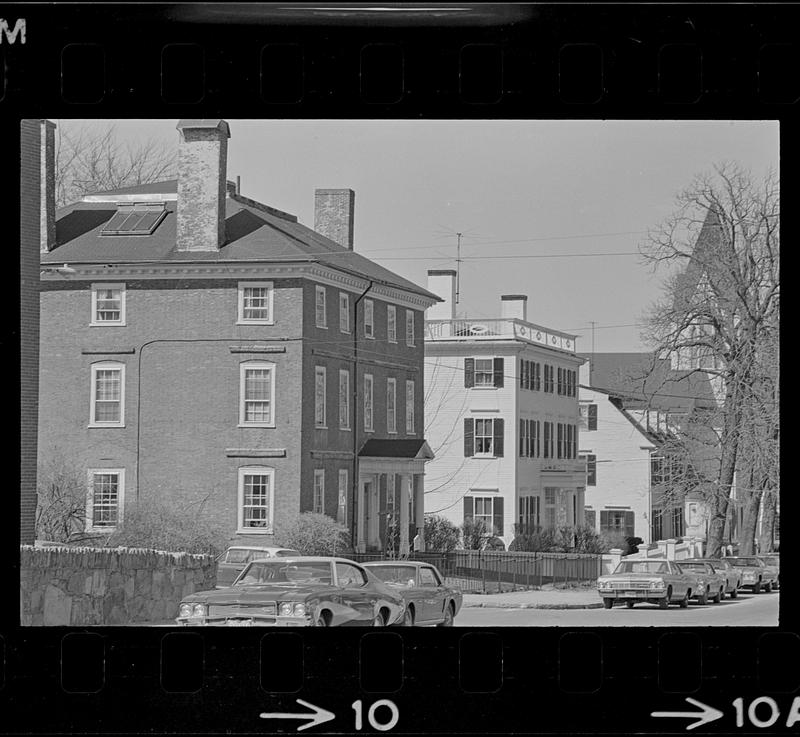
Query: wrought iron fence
[[485, 571]]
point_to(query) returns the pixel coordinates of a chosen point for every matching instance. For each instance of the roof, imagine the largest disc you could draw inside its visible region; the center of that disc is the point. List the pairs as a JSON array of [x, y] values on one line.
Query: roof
[[168, 186], [377, 448], [708, 241], [254, 232]]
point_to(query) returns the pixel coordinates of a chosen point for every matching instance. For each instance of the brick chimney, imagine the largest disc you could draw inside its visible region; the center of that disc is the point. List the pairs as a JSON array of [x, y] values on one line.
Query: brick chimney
[[47, 183], [443, 283], [202, 165], [334, 211], [514, 306]]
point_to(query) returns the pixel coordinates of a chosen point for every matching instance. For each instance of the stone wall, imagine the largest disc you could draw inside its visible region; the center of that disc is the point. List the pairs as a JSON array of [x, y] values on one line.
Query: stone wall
[[92, 586]]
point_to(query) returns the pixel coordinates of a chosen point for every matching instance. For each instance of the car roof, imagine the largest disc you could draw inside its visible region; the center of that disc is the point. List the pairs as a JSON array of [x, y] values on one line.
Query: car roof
[[267, 548], [306, 559], [413, 563]]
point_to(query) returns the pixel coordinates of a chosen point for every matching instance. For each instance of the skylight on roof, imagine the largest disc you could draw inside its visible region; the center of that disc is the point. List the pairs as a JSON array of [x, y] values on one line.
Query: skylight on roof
[[137, 218]]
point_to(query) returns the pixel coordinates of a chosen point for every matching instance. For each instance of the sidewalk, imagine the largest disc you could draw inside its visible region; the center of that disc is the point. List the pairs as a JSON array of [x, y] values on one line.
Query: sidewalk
[[545, 598]]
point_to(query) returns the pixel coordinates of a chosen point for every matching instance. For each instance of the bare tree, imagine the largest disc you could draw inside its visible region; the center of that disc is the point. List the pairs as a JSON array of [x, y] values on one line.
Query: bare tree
[[95, 160], [61, 502], [721, 303]]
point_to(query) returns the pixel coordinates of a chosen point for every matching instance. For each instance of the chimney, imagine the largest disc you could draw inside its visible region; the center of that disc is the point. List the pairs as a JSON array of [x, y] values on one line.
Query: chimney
[[202, 164], [443, 283], [514, 306], [47, 174], [334, 211]]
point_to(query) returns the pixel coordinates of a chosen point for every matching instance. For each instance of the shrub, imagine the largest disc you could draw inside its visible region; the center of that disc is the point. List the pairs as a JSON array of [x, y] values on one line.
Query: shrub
[[441, 535], [474, 534], [60, 502], [314, 534], [535, 540], [566, 539], [613, 540]]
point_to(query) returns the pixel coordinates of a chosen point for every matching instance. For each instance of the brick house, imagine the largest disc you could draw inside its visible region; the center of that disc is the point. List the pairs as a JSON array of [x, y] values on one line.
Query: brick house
[[502, 413], [206, 351]]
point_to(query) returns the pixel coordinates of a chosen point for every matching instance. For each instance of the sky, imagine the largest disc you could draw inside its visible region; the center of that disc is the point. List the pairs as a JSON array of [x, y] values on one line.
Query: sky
[[552, 209]]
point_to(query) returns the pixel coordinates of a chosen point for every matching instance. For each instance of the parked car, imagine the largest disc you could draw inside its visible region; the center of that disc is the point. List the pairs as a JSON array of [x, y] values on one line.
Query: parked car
[[231, 563], [712, 582], [296, 592], [733, 575], [654, 581], [755, 574], [773, 563], [427, 599]]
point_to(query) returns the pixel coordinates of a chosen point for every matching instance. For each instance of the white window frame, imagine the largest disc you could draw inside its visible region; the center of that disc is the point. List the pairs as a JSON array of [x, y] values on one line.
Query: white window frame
[[344, 400], [483, 372], [321, 411], [255, 471], [240, 316], [369, 312], [107, 366], [391, 406], [94, 321], [483, 454], [391, 323], [410, 398], [91, 473], [244, 366], [475, 516], [410, 339], [319, 491], [320, 291], [369, 395], [341, 504], [344, 312]]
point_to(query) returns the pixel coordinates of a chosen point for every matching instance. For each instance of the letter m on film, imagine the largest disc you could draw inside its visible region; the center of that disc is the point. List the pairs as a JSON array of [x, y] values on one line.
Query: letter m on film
[[10, 34]]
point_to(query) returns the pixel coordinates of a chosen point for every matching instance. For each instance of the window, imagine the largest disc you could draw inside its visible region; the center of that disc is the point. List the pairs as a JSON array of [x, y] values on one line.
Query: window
[[548, 440], [483, 437], [550, 506], [136, 218], [321, 307], [369, 318], [657, 525], [677, 522], [529, 512], [487, 509], [319, 491], [483, 372], [410, 407], [255, 303], [427, 579], [391, 324], [537, 377], [617, 521], [341, 508], [588, 416], [548, 378], [391, 405], [256, 499], [591, 468], [535, 435], [368, 402], [108, 304], [320, 396], [344, 312], [410, 340], [256, 392], [344, 399], [560, 388], [348, 575], [108, 395], [560, 440], [104, 500]]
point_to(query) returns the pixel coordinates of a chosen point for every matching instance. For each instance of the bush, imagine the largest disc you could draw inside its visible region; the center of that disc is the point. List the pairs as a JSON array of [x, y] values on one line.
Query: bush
[[580, 539], [613, 540], [474, 534], [60, 502], [314, 534], [441, 535], [535, 540]]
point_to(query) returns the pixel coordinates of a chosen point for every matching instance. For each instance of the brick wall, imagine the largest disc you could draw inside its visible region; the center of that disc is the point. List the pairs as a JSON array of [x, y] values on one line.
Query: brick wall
[[87, 586]]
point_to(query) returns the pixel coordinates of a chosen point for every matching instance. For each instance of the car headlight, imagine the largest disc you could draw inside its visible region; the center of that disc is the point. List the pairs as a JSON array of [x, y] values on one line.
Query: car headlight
[[656, 584], [185, 610], [292, 609], [299, 610], [199, 610]]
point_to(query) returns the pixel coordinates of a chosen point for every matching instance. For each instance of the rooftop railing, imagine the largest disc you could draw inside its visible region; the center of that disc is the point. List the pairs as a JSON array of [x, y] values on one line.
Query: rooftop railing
[[498, 329]]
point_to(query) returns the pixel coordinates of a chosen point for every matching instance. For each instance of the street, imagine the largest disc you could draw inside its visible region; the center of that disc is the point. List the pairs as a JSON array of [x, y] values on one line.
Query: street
[[746, 611]]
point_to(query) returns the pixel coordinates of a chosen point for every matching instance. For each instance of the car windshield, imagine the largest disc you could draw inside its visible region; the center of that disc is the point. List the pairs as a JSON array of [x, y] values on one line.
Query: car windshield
[[287, 554], [693, 566], [239, 555], [267, 573], [399, 575], [642, 566], [742, 562]]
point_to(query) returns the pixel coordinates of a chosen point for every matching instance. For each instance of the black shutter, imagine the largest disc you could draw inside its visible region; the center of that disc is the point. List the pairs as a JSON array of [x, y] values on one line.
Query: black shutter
[[521, 374], [522, 438], [559, 440], [592, 417], [497, 516], [498, 438], [469, 372], [546, 439], [469, 437], [468, 508], [591, 470], [628, 524], [498, 372], [560, 380], [529, 449], [603, 521]]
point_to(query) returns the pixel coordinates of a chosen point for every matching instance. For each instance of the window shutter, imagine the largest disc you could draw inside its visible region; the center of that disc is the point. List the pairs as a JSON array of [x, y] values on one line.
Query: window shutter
[[382, 484], [469, 437], [469, 372], [497, 516], [603, 520], [521, 374], [498, 372], [498, 438], [522, 438], [592, 417], [629, 524], [591, 470], [559, 440], [468, 507]]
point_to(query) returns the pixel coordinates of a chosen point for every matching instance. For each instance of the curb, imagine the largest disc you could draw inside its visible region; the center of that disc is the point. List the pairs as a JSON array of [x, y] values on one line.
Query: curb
[[481, 605]]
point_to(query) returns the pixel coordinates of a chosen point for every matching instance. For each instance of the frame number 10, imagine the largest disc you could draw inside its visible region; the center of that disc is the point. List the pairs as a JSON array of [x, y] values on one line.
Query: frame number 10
[[375, 720]]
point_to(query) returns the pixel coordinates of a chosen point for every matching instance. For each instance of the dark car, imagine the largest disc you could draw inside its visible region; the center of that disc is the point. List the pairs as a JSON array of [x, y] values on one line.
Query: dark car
[[427, 599], [232, 562], [296, 592]]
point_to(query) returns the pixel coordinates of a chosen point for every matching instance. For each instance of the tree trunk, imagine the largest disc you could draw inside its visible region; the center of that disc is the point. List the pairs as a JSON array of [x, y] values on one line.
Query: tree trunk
[[747, 535], [766, 539]]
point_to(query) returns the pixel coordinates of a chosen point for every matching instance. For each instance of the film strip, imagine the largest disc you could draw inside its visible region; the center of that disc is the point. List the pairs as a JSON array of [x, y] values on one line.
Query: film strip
[[474, 61]]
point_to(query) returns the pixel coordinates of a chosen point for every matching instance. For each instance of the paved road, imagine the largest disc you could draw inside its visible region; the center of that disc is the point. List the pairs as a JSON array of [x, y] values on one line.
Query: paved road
[[746, 611]]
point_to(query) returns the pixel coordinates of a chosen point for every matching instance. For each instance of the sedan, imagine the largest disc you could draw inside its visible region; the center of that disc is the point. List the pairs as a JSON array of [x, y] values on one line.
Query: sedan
[[712, 582], [655, 581], [296, 592], [773, 563], [428, 600], [755, 574], [232, 562], [733, 575]]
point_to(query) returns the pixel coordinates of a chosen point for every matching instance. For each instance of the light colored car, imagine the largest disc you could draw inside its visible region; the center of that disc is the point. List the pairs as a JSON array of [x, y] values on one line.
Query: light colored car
[[712, 582], [755, 574], [655, 581], [773, 563], [428, 600], [296, 592], [733, 575], [232, 562]]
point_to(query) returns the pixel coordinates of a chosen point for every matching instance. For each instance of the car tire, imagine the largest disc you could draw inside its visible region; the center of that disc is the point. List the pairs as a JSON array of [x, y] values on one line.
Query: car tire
[[719, 597], [321, 620], [449, 617], [665, 602], [757, 588], [734, 594], [684, 602], [702, 600], [408, 617], [629, 604], [608, 603], [768, 587]]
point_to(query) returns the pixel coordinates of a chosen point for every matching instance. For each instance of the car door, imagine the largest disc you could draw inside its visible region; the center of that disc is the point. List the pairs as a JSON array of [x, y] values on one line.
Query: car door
[[679, 580], [356, 595], [432, 592]]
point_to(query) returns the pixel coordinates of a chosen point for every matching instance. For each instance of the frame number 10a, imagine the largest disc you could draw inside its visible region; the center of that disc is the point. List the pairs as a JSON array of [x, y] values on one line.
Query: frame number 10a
[[381, 715]]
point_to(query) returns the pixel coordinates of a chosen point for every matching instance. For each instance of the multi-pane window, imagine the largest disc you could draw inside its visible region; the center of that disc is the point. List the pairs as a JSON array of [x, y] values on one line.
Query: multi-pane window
[[486, 509], [616, 521], [677, 522], [344, 399], [529, 512], [391, 405], [256, 499], [391, 323], [368, 384], [483, 372], [548, 440], [483, 437], [257, 391], [591, 468], [560, 440], [104, 499], [319, 490], [255, 302], [548, 378], [530, 375], [550, 506], [321, 306], [588, 416], [410, 339], [529, 438], [410, 407], [341, 508], [108, 304], [108, 395], [657, 525], [560, 382], [320, 396], [344, 312], [369, 318]]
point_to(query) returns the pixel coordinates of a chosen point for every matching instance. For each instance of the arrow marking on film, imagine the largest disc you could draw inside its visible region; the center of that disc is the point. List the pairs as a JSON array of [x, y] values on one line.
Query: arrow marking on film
[[706, 715], [318, 715]]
